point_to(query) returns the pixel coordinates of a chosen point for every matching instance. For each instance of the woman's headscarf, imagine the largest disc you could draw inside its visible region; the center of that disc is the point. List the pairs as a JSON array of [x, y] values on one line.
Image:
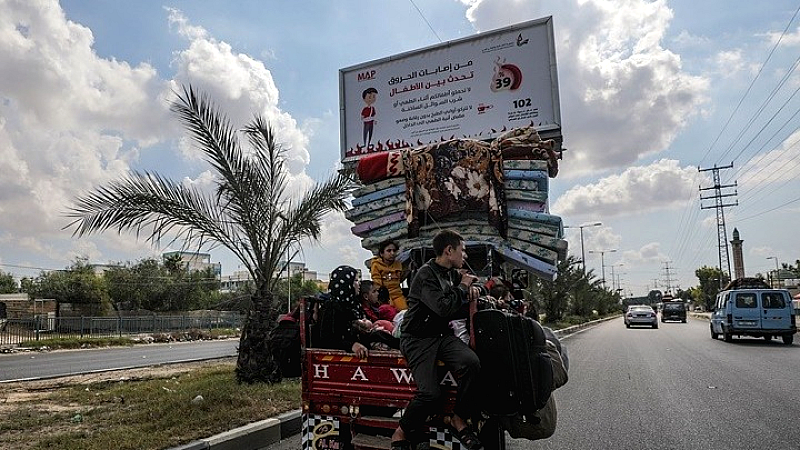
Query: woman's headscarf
[[342, 291]]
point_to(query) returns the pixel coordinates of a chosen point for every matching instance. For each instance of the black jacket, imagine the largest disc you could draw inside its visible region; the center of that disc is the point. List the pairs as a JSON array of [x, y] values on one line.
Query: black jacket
[[434, 299], [336, 327]]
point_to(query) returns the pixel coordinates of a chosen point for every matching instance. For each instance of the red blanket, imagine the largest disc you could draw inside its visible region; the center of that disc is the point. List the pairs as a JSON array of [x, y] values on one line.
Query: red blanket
[[379, 166]]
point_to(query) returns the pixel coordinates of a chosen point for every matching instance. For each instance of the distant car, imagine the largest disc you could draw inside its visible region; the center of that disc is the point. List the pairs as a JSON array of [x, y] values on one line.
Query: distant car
[[698, 309], [673, 311], [641, 315]]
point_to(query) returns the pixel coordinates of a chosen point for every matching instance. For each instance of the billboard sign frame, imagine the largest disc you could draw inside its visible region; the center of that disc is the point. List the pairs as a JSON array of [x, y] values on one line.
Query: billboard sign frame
[[475, 87]]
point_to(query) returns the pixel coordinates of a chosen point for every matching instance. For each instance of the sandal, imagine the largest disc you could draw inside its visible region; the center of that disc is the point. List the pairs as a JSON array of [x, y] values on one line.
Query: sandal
[[401, 445], [469, 439]]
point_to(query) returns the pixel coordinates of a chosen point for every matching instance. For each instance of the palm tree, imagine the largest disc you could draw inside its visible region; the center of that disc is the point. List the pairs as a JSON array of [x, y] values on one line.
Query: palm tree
[[570, 293], [250, 213]]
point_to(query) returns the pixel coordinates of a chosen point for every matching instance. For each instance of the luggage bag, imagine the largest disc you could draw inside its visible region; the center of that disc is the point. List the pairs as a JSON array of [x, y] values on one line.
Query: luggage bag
[[516, 372]]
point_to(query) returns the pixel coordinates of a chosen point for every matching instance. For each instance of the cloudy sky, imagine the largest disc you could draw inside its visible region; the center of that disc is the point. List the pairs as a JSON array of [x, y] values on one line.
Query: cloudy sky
[[650, 91]]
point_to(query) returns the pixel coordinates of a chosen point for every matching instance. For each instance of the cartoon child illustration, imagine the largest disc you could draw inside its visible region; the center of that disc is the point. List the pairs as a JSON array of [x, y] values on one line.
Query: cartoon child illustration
[[368, 114]]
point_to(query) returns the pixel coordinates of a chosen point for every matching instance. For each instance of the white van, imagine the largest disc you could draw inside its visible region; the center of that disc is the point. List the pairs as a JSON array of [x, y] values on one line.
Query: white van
[[754, 312]]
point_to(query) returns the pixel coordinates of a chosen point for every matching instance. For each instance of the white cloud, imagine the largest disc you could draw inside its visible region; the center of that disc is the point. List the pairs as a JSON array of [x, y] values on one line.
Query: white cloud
[[660, 185], [729, 63], [648, 253], [203, 182], [788, 39], [625, 95], [240, 87], [762, 251], [685, 39], [337, 239], [85, 249], [70, 119], [606, 239]]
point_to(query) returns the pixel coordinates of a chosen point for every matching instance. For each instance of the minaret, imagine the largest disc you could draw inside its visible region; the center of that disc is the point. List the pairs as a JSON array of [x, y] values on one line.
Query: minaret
[[738, 259]]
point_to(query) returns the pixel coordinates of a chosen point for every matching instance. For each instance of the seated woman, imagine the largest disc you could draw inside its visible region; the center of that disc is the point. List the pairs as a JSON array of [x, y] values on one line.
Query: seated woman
[[340, 316]]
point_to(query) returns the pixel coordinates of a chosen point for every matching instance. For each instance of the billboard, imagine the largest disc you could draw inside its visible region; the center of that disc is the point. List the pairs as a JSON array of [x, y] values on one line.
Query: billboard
[[476, 87]]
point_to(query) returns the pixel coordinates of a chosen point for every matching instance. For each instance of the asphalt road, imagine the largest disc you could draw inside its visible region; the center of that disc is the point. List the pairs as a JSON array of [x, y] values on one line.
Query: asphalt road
[[672, 388], [36, 365]]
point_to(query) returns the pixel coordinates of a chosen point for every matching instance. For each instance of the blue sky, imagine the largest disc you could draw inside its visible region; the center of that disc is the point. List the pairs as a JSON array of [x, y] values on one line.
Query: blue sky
[[649, 92]]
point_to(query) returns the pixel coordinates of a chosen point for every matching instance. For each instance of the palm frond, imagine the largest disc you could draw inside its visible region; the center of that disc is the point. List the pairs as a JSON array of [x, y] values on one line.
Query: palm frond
[[306, 218], [268, 166], [215, 137], [145, 202]]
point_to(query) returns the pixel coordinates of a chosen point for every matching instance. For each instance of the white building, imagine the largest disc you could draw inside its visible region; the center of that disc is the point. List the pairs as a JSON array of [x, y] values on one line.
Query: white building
[[193, 261], [240, 278]]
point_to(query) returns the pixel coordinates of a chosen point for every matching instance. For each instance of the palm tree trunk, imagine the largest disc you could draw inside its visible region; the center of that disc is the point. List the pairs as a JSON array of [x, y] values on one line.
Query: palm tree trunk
[[255, 362]]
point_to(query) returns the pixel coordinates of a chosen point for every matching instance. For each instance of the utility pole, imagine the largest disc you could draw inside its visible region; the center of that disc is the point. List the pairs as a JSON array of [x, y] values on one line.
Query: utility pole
[[614, 280], [583, 253], [720, 205], [668, 276], [777, 270], [603, 262]]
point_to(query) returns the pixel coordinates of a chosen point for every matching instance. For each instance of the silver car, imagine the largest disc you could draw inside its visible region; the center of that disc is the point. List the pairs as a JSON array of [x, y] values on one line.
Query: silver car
[[641, 315]]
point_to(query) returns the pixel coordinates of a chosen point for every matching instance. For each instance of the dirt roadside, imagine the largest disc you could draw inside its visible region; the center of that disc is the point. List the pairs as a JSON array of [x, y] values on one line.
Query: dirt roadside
[[12, 395]]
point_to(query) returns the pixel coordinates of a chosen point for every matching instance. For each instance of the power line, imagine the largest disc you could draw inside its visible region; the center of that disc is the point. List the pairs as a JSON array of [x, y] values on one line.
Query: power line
[[784, 168], [743, 174], [426, 20], [752, 83], [760, 110], [760, 214], [16, 266], [690, 214]]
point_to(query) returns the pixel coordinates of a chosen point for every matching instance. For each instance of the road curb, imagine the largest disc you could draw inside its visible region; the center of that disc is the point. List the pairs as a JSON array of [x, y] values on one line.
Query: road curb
[[564, 332], [253, 436]]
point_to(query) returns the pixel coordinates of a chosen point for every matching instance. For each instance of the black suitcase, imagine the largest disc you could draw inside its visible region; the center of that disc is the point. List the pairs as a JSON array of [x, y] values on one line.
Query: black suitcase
[[516, 372]]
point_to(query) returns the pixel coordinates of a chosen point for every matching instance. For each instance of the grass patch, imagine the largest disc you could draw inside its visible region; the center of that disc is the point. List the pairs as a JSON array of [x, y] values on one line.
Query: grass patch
[[144, 414]]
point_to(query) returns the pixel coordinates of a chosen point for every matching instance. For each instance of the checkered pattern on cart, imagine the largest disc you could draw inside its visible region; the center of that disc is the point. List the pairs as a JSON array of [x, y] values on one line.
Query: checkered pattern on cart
[[310, 422], [442, 438]]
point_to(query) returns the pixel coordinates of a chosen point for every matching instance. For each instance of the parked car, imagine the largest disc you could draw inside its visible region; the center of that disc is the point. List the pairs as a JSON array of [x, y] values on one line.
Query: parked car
[[756, 312], [673, 311], [641, 315]]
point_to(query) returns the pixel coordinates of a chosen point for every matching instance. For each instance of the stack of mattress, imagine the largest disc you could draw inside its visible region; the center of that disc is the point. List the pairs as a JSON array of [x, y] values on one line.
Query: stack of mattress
[[506, 209], [529, 226], [378, 212]]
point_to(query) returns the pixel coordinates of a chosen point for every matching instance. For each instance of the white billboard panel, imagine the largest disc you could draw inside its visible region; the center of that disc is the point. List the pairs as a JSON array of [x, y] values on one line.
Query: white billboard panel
[[475, 87]]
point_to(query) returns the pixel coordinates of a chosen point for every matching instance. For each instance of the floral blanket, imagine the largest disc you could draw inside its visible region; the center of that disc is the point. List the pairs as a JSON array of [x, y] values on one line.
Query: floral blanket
[[449, 180]]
